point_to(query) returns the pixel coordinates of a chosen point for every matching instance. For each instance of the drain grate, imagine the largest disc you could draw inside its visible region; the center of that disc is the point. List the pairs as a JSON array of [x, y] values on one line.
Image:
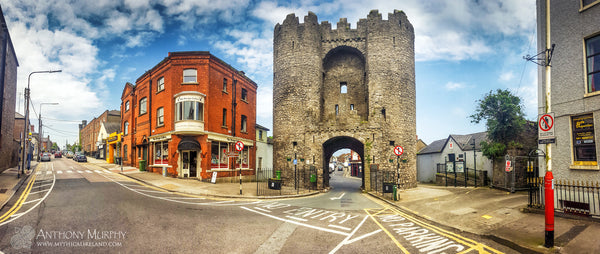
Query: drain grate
[[3, 190]]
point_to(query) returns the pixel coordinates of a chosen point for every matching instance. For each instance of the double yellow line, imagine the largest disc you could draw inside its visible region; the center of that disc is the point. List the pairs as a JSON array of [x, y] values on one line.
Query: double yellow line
[[19, 202]]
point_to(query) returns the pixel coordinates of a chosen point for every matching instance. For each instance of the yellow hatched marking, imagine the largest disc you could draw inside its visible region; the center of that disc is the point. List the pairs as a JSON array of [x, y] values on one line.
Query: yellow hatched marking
[[20, 201]]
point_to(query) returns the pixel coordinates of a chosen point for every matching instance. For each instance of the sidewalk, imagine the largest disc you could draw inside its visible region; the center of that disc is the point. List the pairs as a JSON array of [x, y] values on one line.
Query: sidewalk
[[10, 184], [499, 215], [192, 185]]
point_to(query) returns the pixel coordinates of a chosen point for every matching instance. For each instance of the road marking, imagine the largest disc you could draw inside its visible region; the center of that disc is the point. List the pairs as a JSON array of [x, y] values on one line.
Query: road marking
[[345, 241], [340, 227], [276, 241], [185, 198], [31, 193], [17, 214], [33, 207], [486, 217], [69, 171], [295, 218], [88, 171], [19, 202], [98, 171], [264, 210], [422, 235], [297, 223], [364, 236], [340, 197], [48, 172], [31, 201], [59, 172], [42, 185], [79, 171], [38, 173]]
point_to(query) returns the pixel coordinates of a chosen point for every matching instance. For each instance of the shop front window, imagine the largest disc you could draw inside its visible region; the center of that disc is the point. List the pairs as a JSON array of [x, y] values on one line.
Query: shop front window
[[219, 159], [584, 145], [161, 153], [243, 160]]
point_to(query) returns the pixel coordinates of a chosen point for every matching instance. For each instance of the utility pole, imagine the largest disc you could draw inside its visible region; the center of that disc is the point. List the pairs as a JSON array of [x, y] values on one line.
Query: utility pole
[[41, 134], [548, 179], [26, 128]]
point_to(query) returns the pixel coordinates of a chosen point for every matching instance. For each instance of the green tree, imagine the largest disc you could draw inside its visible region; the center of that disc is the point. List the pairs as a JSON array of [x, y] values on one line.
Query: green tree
[[504, 118]]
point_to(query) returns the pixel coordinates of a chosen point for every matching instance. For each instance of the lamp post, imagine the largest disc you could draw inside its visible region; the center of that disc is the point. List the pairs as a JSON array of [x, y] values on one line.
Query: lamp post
[[26, 125], [40, 126]]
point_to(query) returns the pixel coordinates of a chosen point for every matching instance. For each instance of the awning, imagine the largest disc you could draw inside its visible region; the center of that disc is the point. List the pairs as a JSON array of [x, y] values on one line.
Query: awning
[[188, 144]]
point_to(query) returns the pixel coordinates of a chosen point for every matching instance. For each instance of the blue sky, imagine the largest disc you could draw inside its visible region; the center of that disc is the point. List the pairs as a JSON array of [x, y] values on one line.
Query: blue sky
[[464, 49]]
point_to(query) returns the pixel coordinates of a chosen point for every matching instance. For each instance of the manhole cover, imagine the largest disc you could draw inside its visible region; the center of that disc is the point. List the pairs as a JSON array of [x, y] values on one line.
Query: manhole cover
[[3, 190]]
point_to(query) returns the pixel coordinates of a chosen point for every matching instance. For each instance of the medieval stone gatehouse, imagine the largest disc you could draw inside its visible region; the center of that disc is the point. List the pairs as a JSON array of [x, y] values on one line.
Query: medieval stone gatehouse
[[345, 88]]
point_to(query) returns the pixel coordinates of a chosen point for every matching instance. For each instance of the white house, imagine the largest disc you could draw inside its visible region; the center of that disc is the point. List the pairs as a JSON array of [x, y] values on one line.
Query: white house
[[465, 148], [264, 148]]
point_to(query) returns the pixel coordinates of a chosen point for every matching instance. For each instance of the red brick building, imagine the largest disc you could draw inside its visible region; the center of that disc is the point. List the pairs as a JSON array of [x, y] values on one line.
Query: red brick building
[[185, 115], [89, 132]]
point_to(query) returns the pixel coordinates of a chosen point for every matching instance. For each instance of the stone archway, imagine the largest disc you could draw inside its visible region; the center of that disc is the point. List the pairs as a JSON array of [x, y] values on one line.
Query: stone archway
[[336, 143]]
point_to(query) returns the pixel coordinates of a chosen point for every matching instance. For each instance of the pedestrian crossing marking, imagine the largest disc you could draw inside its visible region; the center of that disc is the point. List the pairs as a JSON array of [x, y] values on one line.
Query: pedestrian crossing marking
[[38, 173], [48, 172], [87, 171], [79, 171], [59, 172], [69, 171]]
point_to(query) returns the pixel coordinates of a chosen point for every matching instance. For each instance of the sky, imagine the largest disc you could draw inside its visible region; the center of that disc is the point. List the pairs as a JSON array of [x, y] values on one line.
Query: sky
[[463, 50]]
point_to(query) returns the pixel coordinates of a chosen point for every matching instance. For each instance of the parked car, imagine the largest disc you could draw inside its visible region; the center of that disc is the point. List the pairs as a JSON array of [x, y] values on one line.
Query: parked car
[[57, 155], [45, 157], [80, 158], [69, 155]]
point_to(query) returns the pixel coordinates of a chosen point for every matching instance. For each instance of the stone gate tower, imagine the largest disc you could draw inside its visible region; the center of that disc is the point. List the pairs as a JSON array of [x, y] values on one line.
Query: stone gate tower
[[345, 88]]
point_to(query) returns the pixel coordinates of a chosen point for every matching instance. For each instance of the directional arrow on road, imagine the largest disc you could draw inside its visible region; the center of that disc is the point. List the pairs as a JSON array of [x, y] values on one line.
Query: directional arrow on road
[[340, 197]]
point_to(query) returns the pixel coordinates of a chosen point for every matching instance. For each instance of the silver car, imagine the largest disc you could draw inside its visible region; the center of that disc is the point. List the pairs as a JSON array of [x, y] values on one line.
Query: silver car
[[45, 157]]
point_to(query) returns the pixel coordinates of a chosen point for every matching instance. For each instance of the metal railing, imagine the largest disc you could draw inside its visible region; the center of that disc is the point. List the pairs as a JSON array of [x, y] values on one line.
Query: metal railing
[[382, 182], [466, 177], [302, 180], [571, 197]]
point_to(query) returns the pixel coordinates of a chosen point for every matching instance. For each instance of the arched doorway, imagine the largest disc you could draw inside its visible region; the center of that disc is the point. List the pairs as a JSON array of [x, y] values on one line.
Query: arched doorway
[[336, 143]]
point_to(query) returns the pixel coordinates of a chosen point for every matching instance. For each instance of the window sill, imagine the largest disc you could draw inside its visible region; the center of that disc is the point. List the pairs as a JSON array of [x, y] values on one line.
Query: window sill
[[582, 167], [244, 101], [143, 114], [159, 91], [224, 91], [161, 165], [190, 83], [228, 170], [160, 126], [591, 94], [224, 127], [245, 132]]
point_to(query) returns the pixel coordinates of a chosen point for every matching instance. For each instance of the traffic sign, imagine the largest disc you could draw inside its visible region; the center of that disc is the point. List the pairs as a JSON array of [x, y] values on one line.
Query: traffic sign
[[239, 146], [398, 150], [546, 126], [508, 166]]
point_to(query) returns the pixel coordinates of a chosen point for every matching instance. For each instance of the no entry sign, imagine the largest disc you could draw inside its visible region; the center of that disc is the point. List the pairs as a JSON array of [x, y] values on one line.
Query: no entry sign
[[398, 150], [239, 146]]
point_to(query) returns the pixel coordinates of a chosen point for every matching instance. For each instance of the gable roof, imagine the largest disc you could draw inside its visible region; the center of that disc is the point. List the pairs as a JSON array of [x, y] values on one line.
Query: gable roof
[[112, 127], [465, 142]]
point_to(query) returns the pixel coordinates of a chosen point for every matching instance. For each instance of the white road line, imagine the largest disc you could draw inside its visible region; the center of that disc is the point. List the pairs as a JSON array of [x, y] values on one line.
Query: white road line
[[69, 171], [345, 241], [31, 201], [185, 198], [364, 236], [223, 202], [16, 215], [88, 171], [277, 239], [154, 191], [98, 171], [48, 172], [340, 227], [38, 173], [79, 171], [33, 207], [31, 193], [297, 223], [264, 210], [42, 185], [59, 172], [296, 218]]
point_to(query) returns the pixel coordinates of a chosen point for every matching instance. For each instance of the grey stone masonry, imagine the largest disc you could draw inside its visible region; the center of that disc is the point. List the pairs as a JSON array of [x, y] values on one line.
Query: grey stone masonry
[[345, 88]]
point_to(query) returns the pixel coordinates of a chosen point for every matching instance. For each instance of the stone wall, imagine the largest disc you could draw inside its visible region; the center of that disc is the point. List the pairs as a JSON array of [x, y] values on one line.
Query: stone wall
[[313, 116]]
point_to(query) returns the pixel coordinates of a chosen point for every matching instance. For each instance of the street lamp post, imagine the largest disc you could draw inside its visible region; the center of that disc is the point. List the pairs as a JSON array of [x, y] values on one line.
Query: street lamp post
[[26, 125], [41, 134]]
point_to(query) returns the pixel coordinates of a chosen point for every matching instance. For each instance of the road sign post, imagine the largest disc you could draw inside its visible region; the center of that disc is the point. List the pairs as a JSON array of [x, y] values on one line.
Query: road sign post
[[239, 146], [398, 150]]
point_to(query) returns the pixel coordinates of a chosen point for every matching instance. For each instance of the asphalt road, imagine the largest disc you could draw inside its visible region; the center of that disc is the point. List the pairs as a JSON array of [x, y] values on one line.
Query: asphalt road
[[70, 207]]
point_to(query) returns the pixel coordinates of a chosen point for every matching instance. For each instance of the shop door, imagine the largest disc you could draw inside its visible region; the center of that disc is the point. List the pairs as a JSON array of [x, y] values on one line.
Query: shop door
[[189, 163]]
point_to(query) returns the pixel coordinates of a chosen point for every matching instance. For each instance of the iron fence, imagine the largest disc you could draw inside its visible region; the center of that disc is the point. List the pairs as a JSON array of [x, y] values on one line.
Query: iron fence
[[570, 197], [382, 182], [461, 176], [271, 182]]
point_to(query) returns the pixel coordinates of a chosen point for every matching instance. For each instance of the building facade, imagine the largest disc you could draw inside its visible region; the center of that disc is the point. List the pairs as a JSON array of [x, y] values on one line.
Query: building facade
[[574, 87], [90, 131], [183, 118], [344, 88], [264, 148], [9, 148]]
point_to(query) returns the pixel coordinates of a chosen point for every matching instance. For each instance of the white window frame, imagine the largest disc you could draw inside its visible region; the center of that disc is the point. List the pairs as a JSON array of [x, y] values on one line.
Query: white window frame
[[586, 64], [160, 84], [198, 109], [188, 73], [220, 156], [162, 145], [143, 106], [160, 116], [126, 128], [126, 106]]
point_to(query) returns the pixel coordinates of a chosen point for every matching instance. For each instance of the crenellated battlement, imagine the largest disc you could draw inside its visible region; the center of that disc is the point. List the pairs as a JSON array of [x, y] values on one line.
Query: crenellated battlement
[[397, 21]]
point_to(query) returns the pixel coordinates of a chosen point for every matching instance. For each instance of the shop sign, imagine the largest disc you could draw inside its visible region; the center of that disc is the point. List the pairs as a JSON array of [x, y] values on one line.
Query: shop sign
[[189, 98]]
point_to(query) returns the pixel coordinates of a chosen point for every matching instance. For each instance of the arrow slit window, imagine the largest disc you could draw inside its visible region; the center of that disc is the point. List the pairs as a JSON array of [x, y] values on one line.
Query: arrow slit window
[[584, 145]]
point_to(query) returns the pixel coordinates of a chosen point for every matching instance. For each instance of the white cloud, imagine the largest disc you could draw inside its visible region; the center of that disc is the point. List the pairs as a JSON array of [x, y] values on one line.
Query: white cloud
[[451, 86], [507, 76]]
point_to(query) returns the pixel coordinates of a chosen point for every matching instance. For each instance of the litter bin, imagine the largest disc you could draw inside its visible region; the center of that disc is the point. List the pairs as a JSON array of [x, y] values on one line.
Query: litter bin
[[388, 187], [142, 165], [274, 184], [313, 178], [278, 174]]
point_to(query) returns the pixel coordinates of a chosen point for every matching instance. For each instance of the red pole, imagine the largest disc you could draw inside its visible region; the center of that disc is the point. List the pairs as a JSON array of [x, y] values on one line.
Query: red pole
[[549, 209]]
